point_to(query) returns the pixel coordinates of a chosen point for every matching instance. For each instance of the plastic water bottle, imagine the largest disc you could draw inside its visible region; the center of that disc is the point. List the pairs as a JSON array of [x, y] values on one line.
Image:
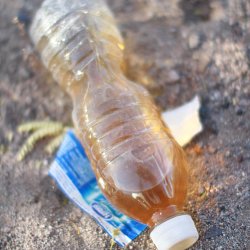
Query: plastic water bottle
[[139, 166]]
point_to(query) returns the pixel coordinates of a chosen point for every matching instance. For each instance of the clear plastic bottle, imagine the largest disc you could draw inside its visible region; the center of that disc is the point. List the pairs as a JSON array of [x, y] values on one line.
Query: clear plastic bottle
[[139, 166]]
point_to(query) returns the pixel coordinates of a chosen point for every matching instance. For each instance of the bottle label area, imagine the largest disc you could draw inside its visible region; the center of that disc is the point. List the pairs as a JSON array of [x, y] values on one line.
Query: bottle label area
[[74, 176]]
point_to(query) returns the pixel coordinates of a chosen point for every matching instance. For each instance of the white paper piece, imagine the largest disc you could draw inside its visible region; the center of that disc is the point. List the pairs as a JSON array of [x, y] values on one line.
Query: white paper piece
[[184, 121]]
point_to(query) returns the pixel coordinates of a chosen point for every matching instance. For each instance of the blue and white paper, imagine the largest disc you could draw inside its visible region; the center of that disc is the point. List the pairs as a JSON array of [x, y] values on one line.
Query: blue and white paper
[[72, 171]]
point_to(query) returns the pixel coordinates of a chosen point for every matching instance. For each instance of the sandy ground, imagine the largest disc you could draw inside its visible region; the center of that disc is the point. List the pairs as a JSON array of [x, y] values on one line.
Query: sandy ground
[[175, 48]]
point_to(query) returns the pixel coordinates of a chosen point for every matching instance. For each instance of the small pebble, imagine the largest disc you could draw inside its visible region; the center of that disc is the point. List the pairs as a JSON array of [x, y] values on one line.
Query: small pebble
[[240, 158], [23, 17], [212, 232], [193, 41], [212, 127], [211, 149], [198, 149], [215, 95], [225, 104], [173, 76], [239, 112], [222, 208], [227, 154]]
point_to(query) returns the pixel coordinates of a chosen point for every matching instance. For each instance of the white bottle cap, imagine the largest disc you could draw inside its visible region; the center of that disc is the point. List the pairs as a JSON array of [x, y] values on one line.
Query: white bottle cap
[[177, 233]]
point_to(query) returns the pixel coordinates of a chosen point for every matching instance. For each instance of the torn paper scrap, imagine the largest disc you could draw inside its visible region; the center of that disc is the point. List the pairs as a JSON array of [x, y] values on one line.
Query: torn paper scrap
[[72, 171], [184, 121]]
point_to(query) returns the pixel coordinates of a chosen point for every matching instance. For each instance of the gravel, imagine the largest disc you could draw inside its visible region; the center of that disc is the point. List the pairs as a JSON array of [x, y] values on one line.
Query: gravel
[[213, 63]]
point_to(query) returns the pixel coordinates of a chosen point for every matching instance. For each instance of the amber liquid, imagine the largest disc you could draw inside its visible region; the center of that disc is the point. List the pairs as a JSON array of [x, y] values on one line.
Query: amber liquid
[[154, 205], [139, 166]]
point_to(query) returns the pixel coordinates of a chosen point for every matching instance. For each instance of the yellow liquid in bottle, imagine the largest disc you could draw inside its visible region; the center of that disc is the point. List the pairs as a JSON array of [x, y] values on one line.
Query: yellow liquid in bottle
[[139, 166]]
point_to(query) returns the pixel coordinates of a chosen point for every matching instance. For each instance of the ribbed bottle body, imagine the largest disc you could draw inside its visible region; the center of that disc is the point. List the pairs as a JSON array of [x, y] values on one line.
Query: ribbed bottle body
[[139, 166]]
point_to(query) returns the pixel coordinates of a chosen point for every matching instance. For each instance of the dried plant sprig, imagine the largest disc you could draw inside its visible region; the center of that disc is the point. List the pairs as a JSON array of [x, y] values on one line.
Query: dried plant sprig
[[114, 234], [41, 130], [34, 125], [54, 144]]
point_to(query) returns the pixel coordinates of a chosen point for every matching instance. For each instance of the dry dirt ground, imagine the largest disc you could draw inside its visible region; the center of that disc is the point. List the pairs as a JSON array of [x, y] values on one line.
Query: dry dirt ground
[[177, 48]]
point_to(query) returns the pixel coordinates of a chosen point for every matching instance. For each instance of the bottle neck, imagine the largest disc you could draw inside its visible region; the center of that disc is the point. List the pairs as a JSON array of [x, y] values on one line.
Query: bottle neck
[[94, 76], [163, 215]]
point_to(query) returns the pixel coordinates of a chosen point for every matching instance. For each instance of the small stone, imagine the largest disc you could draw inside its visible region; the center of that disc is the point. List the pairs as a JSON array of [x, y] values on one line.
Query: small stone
[[212, 127], [215, 95], [248, 53], [239, 111], [23, 16], [222, 208], [211, 149], [227, 154], [225, 104], [237, 30], [173, 76], [240, 158], [193, 41], [213, 232], [197, 149], [204, 112]]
